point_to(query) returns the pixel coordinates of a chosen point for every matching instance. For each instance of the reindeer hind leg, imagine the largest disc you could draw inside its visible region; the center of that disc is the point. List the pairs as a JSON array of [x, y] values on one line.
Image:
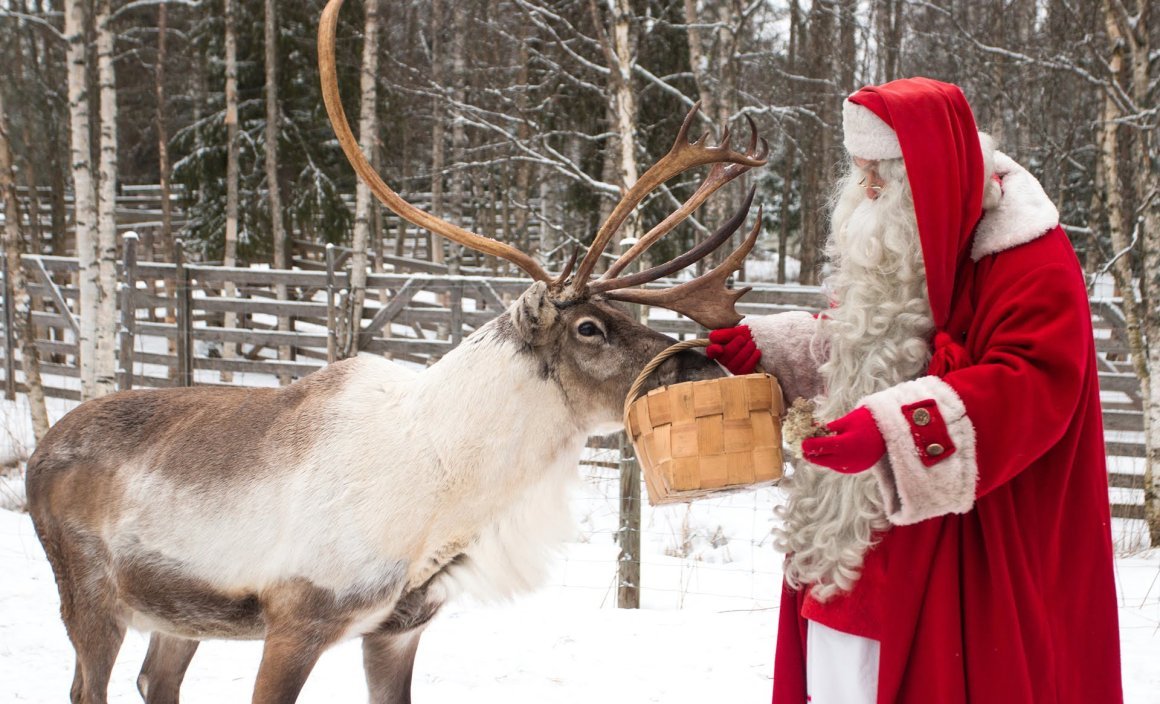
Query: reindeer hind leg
[[89, 609], [165, 664]]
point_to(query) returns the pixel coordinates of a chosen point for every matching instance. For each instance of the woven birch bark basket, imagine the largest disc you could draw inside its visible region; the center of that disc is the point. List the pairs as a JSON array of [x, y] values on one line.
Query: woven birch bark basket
[[704, 438]]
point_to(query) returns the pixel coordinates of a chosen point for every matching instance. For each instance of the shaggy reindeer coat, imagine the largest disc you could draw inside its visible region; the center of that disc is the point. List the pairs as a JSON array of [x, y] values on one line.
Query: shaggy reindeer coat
[[995, 582]]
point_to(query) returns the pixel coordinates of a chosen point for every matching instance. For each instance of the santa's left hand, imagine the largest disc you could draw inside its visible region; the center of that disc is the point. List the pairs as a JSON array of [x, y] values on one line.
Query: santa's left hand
[[855, 445]]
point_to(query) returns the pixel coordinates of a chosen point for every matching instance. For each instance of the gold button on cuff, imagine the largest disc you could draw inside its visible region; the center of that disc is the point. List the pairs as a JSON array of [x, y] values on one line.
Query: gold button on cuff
[[934, 449], [921, 416]]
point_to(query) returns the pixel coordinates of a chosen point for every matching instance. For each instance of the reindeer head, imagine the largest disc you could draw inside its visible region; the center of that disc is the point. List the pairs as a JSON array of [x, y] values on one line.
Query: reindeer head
[[568, 321]]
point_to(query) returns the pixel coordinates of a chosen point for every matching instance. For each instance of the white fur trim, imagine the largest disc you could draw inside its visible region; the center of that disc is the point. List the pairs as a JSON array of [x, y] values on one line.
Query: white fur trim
[[1024, 213], [913, 492], [789, 351], [866, 135]]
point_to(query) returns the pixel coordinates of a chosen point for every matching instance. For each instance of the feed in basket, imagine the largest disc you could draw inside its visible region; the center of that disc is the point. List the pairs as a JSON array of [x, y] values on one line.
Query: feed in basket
[[801, 423], [702, 438]]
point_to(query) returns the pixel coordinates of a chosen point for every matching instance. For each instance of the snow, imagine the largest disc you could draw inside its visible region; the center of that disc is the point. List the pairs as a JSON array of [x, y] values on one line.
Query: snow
[[558, 645], [710, 587]]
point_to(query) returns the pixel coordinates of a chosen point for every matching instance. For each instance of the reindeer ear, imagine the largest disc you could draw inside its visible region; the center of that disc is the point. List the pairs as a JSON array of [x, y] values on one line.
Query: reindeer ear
[[534, 313]]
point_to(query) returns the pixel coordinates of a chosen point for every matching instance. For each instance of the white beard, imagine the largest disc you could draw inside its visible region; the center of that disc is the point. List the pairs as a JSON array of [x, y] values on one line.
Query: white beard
[[877, 337]]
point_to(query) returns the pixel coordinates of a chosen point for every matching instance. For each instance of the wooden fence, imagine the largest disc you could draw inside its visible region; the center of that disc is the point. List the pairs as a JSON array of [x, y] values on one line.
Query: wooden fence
[[417, 317], [139, 209]]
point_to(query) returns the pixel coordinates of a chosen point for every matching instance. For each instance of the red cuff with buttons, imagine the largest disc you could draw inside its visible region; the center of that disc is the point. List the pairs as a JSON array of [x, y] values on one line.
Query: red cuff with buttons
[[930, 467], [929, 430]]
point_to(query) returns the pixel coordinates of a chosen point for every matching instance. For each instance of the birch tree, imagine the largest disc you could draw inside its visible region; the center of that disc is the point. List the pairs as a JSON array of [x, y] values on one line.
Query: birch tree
[[1131, 100], [619, 44], [105, 371], [368, 141], [21, 314], [84, 191]]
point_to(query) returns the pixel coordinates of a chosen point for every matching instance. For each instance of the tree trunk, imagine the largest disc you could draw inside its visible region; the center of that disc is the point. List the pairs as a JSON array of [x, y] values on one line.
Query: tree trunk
[[273, 118], [230, 253], [21, 314], [28, 161], [438, 155], [523, 176], [715, 75], [163, 123], [621, 57], [783, 229], [368, 126], [1136, 38], [1135, 318], [889, 34], [84, 192], [458, 205], [106, 367]]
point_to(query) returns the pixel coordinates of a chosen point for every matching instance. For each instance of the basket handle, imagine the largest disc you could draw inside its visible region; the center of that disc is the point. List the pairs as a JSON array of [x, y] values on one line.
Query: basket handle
[[656, 362]]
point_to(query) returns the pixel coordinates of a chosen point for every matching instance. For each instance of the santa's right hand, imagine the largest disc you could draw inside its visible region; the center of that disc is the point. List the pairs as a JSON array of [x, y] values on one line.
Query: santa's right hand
[[734, 349]]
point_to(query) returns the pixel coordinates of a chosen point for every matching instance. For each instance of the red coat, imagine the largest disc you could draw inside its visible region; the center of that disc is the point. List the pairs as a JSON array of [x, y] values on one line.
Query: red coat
[[995, 583]]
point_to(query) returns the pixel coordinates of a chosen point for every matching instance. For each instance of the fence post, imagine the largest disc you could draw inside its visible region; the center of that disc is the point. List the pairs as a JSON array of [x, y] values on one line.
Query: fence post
[[184, 318], [456, 303], [128, 310], [628, 532], [331, 314], [9, 337]]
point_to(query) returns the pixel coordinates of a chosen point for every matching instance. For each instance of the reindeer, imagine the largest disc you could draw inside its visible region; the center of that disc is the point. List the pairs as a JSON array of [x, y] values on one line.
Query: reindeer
[[358, 500]]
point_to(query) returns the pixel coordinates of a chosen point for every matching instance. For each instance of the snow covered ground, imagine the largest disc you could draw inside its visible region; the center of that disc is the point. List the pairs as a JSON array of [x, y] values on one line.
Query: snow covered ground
[[705, 633]]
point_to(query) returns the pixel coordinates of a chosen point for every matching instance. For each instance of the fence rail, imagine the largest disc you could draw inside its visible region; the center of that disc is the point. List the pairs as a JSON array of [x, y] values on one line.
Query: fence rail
[[182, 339]]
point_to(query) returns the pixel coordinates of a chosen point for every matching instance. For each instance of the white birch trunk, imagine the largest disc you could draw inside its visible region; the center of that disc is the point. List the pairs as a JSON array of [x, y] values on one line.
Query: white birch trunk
[[105, 380], [85, 205], [1122, 269], [368, 126], [623, 58], [1147, 182], [230, 255]]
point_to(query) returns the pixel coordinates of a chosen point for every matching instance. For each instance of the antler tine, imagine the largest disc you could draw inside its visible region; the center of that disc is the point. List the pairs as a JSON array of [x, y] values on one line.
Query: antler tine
[[425, 220], [562, 278], [683, 156], [674, 265], [721, 174], [704, 299]]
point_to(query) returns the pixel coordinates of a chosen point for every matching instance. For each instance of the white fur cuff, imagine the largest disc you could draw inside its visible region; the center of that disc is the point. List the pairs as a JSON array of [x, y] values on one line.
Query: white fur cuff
[[930, 468], [789, 352], [865, 134]]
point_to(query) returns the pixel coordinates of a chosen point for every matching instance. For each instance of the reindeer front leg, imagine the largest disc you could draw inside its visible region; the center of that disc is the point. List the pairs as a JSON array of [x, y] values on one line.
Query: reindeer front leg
[[287, 659], [302, 621], [389, 651], [389, 661]]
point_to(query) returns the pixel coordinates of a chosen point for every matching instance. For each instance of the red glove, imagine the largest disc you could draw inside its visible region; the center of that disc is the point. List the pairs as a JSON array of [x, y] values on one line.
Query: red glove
[[855, 446], [734, 348]]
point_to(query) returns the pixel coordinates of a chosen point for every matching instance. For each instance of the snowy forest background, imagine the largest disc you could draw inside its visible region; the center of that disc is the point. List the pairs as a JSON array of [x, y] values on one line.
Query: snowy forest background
[[515, 100], [522, 120]]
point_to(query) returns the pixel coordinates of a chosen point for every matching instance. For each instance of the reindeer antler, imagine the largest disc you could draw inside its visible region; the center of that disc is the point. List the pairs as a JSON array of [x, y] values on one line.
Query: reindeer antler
[[704, 299], [683, 155], [425, 220]]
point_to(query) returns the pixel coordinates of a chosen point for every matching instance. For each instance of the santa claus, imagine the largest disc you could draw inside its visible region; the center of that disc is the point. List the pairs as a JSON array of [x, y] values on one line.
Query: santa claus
[[948, 539]]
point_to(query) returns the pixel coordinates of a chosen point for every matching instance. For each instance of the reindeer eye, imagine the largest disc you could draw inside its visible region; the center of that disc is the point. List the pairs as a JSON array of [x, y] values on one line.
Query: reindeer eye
[[588, 329]]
